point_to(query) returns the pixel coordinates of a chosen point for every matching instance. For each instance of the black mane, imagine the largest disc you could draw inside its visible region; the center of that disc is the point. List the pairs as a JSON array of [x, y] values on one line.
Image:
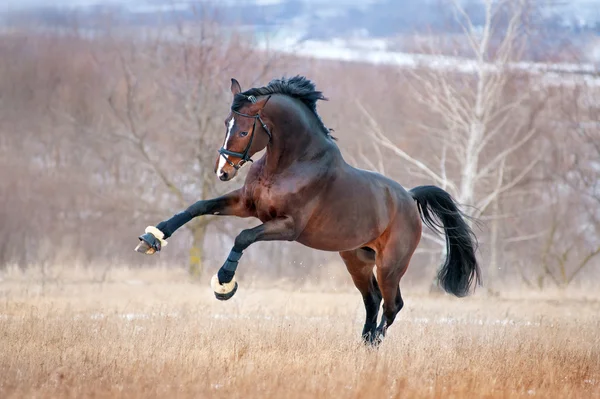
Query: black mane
[[297, 87]]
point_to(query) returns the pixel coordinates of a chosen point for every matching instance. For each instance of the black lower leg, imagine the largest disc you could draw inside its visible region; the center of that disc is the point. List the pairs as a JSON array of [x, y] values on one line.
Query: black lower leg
[[242, 241], [169, 226], [227, 271], [372, 301], [227, 204], [398, 305], [372, 308], [273, 230], [390, 311]]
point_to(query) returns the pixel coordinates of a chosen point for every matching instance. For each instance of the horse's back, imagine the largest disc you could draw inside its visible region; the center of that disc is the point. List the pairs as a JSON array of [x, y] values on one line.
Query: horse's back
[[397, 197], [399, 201]]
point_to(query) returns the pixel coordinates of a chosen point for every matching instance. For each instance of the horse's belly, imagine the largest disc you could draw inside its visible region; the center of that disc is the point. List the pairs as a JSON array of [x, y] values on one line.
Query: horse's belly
[[327, 245], [341, 234], [348, 217]]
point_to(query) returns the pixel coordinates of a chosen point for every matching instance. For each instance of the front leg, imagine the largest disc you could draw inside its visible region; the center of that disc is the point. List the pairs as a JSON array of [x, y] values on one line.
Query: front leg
[[282, 229], [154, 237]]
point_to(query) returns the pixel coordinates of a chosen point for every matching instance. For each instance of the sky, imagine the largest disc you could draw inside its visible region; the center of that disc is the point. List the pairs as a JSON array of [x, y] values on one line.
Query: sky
[[28, 4], [15, 4], [71, 3], [76, 3], [579, 9]]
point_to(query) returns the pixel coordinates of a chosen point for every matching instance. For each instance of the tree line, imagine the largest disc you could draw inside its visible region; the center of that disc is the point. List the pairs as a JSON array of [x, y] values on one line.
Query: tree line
[[101, 136]]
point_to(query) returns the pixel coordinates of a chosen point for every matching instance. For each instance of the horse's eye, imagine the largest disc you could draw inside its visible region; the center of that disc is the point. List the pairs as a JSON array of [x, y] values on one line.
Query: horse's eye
[[243, 134]]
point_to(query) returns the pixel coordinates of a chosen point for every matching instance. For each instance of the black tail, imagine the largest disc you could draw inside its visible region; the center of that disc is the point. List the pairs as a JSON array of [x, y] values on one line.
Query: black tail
[[460, 268]]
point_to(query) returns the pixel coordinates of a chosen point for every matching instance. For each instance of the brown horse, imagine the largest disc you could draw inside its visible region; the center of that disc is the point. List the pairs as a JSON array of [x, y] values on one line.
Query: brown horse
[[302, 190]]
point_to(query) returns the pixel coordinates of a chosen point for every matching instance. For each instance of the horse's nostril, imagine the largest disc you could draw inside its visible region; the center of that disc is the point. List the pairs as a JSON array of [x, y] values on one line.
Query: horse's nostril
[[223, 176]]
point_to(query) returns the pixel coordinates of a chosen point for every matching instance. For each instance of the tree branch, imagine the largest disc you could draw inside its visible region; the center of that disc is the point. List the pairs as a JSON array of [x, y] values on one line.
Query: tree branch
[[483, 204], [377, 135], [582, 264], [505, 153]]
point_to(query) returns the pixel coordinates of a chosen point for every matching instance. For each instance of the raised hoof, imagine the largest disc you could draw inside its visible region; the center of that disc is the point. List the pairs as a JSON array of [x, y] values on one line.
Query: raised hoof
[[223, 291], [224, 297], [148, 244], [144, 248]]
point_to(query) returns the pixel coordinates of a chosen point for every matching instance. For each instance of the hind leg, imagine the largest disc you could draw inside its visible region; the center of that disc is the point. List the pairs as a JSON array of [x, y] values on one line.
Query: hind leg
[[360, 268], [391, 266], [391, 308]]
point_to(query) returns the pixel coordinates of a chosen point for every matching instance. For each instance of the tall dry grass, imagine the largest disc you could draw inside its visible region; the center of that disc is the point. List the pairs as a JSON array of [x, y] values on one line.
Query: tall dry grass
[[156, 334]]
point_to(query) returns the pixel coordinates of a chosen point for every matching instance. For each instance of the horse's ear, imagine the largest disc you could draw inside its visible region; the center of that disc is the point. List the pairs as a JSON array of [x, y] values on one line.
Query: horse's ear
[[235, 87]]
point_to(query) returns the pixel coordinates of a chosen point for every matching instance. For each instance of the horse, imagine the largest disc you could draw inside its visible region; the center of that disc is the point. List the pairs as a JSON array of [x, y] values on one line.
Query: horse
[[303, 190]]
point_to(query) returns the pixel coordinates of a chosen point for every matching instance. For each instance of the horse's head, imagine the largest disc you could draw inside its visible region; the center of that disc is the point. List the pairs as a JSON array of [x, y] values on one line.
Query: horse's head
[[246, 133]]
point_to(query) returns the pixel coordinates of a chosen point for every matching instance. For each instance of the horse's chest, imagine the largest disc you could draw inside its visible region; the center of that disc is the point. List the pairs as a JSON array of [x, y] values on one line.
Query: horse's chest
[[269, 202]]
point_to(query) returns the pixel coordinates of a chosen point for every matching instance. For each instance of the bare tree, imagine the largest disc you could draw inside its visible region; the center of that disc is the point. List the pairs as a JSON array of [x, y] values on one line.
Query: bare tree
[[480, 123], [100, 133], [573, 241]]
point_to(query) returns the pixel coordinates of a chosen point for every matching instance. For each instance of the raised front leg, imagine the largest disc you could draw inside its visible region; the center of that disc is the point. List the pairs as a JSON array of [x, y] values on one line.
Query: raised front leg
[[285, 229], [154, 237]]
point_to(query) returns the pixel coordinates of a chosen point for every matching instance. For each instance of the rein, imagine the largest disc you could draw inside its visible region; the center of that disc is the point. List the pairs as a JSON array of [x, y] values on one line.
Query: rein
[[244, 156]]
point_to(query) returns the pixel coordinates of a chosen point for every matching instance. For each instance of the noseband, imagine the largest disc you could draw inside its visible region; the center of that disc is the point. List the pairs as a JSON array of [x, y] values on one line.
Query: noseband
[[244, 156]]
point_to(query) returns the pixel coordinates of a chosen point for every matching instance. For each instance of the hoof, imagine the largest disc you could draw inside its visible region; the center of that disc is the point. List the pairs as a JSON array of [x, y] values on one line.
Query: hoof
[[148, 244], [372, 339], [144, 248], [224, 297], [224, 291], [151, 241]]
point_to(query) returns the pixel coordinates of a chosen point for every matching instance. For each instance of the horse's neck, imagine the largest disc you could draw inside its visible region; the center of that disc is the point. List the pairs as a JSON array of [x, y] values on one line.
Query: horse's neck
[[294, 146]]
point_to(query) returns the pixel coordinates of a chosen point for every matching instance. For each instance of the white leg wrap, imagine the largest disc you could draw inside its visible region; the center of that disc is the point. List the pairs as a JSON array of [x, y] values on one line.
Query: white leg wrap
[[158, 234], [222, 288]]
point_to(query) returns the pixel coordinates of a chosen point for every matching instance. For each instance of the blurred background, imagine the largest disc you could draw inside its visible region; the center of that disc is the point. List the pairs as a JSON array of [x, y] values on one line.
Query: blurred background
[[111, 114]]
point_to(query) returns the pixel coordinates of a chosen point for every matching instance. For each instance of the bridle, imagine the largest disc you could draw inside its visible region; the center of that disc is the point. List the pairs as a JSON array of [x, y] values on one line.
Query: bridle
[[244, 156]]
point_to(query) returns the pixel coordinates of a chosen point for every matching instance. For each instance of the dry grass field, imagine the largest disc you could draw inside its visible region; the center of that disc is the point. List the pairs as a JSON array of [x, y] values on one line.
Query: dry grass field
[[154, 333]]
